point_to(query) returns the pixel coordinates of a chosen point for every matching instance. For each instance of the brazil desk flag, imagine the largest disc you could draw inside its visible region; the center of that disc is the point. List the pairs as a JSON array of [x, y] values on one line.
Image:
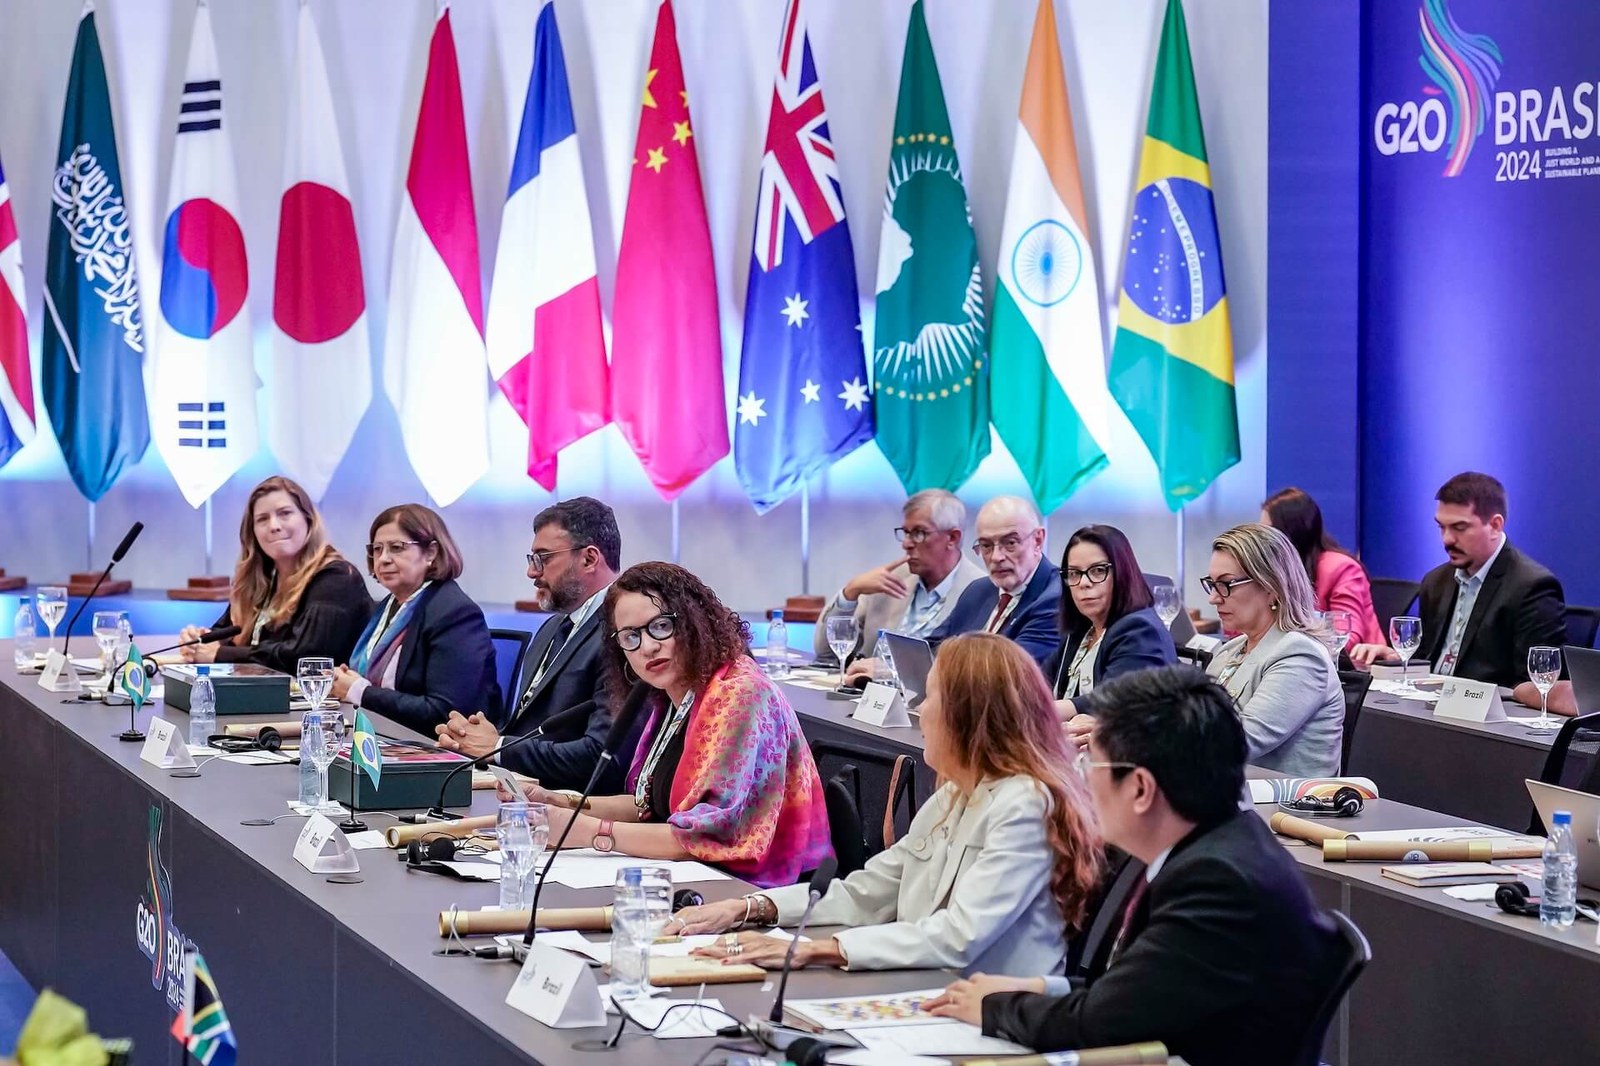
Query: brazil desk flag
[[1172, 363], [364, 752]]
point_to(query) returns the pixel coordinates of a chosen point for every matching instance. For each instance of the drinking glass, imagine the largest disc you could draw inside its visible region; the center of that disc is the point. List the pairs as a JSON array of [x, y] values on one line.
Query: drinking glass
[[124, 635], [315, 674], [1341, 624], [1405, 636], [519, 852], [106, 630], [52, 603], [1169, 604], [1544, 666], [842, 633], [313, 744]]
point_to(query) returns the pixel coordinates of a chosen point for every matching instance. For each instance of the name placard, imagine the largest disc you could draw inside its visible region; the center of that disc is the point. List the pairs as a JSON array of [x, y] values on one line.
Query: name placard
[[557, 988], [322, 849], [59, 675], [165, 747], [1469, 701], [882, 705]]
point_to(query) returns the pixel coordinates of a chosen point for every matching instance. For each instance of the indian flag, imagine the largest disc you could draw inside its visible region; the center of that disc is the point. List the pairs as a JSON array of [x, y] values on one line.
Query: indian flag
[[1172, 364], [1047, 348]]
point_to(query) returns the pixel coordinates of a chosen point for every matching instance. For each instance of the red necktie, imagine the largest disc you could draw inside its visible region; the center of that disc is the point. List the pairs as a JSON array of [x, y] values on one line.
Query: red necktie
[[1135, 898], [1000, 611]]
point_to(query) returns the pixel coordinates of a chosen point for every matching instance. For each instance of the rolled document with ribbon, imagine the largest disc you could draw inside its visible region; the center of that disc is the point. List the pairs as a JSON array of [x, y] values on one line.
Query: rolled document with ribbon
[[492, 922], [1300, 829], [1122, 1055], [399, 836], [253, 730], [1354, 850]]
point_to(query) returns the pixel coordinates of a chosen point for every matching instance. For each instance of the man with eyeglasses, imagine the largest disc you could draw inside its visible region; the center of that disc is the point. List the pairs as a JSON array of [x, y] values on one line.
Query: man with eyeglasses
[[1022, 598], [575, 555], [914, 592], [1215, 947]]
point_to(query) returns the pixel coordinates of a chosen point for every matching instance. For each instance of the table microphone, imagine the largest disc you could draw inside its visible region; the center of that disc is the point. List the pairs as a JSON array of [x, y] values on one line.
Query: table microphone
[[561, 719], [621, 726], [116, 557], [111, 697], [820, 880]]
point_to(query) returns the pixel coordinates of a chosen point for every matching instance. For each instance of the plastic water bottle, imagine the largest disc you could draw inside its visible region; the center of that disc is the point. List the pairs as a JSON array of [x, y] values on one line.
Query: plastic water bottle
[[1557, 903], [202, 707], [640, 909], [27, 633], [883, 669], [777, 647], [310, 779]]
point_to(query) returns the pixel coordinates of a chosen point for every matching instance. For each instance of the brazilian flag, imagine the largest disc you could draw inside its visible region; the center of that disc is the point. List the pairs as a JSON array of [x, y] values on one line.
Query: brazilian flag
[[1172, 362], [364, 752]]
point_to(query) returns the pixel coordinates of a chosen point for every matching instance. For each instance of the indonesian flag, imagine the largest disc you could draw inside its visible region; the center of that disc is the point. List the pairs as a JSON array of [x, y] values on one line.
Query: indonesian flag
[[433, 367], [16, 375], [545, 344], [322, 370], [666, 348]]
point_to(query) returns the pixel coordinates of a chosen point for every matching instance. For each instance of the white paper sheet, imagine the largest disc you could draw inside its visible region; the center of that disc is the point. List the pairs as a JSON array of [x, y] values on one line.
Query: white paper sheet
[[587, 868], [473, 871], [1472, 893], [370, 839], [938, 1038], [1439, 836], [880, 1057], [685, 1020]]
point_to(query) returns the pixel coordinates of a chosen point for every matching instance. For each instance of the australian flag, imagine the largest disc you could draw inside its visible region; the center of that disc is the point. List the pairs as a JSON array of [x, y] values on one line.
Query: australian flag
[[803, 394]]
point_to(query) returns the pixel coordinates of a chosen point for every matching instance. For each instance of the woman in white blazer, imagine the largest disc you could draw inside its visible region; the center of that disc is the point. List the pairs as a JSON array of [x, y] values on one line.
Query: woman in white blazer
[[999, 866], [1278, 672]]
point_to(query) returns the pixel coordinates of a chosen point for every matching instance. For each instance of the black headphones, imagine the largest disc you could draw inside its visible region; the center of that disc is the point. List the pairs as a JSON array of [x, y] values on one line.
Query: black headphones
[[429, 849], [267, 739], [1346, 803], [1513, 898]]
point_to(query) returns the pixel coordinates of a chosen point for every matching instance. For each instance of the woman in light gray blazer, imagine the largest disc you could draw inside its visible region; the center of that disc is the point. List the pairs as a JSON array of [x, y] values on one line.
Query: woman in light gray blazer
[[999, 866], [1277, 670]]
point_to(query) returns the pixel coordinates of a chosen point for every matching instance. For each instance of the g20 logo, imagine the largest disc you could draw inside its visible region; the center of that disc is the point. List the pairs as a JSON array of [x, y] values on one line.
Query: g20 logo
[[1399, 129]]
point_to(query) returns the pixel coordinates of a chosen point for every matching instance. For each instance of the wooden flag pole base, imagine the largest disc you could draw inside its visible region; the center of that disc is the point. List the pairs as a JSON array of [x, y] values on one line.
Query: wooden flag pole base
[[213, 589], [11, 582], [83, 584], [529, 606]]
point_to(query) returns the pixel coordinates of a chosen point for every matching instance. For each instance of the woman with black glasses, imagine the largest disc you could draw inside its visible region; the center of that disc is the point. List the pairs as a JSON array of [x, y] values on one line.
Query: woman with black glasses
[[1108, 626], [722, 772]]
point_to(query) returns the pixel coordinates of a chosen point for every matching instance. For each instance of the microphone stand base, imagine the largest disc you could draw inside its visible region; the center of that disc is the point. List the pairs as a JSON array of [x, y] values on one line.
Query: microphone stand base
[[132, 736], [352, 824]]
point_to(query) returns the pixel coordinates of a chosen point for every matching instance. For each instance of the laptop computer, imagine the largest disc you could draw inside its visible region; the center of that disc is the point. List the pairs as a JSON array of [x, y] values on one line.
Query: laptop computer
[[1583, 667], [1585, 809], [913, 658]]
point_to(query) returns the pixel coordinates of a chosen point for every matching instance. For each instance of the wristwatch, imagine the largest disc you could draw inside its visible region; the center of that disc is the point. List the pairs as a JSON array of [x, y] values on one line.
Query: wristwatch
[[603, 840]]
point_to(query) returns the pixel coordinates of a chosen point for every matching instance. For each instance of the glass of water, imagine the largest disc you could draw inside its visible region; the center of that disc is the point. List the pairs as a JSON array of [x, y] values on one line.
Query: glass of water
[[1168, 604], [315, 675], [124, 635], [320, 735], [1405, 636], [842, 634], [522, 830], [52, 603], [1544, 666], [1341, 624], [106, 630]]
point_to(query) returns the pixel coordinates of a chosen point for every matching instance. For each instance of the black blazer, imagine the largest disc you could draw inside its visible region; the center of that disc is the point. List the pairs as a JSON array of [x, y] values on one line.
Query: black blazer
[[566, 758], [1226, 961], [446, 664], [331, 614], [1032, 623], [1136, 641], [1520, 605]]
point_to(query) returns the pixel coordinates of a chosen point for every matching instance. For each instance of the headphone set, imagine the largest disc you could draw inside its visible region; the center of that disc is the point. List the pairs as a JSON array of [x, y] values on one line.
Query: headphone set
[[1345, 803], [1515, 898], [266, 739]]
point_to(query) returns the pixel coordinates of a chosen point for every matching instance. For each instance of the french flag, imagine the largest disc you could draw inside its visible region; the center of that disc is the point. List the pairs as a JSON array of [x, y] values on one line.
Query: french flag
[[546, 348], [434, 369], [16, 374]]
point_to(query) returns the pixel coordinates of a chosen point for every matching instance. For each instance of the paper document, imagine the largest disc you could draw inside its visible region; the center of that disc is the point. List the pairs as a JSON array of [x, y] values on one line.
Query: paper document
[[856, 1012], [937, 1038], [257, 758], [1449, 833], [370, 839], [587, 868], [677, 1019]]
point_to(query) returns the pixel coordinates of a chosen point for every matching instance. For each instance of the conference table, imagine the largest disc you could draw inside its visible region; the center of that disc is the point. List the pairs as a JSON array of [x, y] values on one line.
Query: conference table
[[104, 849], [1449, 982]]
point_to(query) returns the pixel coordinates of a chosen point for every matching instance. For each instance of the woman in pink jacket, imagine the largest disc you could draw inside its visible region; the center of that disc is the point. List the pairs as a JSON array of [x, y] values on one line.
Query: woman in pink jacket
[[1338, 578]]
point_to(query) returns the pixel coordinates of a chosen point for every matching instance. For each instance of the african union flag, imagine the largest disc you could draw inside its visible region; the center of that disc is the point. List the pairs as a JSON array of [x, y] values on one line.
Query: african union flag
[[1172, 364], [364, 748]]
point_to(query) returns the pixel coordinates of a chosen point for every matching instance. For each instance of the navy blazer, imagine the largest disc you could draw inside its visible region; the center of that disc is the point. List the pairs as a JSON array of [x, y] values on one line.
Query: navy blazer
[[446, 664], [1136, 641], [566, 757], [1032, 623]]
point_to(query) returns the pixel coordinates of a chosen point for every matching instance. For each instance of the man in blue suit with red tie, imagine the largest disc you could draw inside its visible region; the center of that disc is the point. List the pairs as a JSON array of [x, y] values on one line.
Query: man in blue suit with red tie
[[1022, 598]]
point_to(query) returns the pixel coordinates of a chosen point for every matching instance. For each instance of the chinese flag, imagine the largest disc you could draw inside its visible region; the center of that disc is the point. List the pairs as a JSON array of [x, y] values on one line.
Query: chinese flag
[[666, 350]]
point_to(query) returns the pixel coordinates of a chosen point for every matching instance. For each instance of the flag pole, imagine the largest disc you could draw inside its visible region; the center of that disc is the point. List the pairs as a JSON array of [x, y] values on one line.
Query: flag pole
[[88, 554], [208, 534], [675, 553], [1178, 571], [805, 539]]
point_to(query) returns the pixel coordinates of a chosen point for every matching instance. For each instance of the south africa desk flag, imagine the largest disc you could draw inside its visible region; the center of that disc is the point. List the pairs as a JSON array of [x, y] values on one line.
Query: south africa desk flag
[[364, 751], [929, 368], [202, 1025], [92, 360], [1172, 364]]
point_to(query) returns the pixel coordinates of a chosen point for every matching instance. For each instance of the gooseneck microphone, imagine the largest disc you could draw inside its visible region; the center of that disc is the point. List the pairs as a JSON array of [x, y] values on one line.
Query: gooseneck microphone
[[621, 725], [820, 880], [210, 636], [559, 720], [116, 557]]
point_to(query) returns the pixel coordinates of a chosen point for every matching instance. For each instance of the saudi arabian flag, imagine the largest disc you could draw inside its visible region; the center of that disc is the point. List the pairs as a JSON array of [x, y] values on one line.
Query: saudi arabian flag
[[1172, 364], [929, 372], [1047, 348]]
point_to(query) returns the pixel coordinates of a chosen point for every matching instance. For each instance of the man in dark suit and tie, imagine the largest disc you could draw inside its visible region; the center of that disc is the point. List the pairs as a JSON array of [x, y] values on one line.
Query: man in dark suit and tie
[[576, 554], [1488, 604], [1022, 597], [1219, 952]]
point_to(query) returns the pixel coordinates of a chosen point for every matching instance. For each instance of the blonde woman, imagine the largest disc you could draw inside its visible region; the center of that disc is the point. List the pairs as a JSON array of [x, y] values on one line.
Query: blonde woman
[[293, 594], [1276, 669]]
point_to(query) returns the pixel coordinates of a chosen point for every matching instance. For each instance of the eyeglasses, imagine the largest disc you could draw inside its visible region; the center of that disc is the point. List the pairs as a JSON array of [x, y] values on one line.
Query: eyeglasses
[[1094, 574], [537, 561], [392, 548], [1223, 589], [1008, 545], [916, 534], [1083, 764], [661, 627]]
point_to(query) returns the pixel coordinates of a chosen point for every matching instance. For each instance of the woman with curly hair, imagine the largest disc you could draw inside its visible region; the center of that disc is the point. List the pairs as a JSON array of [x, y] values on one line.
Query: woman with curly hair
[[722, 772], [998, 868]]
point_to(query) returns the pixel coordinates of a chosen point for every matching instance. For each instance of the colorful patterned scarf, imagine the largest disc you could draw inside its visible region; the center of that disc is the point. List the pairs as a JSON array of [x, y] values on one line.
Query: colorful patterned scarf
[[371, 660]]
